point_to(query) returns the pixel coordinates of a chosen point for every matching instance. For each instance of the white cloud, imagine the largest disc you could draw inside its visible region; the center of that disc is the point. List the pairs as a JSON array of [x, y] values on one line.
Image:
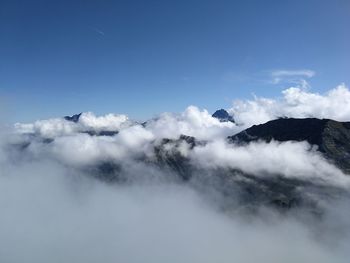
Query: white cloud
[[87, 122], [302, 73], [192, 122], [288, 159], [295, 103], [295, 77], [49, 217], [109, 122], [48, 128], [48, 200]]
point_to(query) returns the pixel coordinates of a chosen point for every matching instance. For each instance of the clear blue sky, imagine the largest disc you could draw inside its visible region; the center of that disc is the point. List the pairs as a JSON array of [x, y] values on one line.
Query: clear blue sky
[[145, 57]]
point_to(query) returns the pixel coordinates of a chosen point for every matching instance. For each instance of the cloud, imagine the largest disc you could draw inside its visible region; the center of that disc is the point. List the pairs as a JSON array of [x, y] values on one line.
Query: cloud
[[50, 200], [77, 219], [192, 122], [288, 159], [291, 73], [295, 103], [49, 216], [295, 77], [88, 122], [109, 122], [47, 128], [98, 31], [83, 149]]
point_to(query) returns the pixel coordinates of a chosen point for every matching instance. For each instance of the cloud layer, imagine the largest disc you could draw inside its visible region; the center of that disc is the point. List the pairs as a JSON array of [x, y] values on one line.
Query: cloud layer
[[55, 208], [295, 103]]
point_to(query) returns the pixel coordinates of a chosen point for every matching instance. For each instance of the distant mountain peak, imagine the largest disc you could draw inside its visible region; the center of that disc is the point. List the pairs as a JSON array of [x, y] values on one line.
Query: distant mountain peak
[[223, 116], [73, 118]]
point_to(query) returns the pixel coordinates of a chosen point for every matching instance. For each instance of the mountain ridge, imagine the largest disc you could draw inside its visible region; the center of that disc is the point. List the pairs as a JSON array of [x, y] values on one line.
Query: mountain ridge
[[331, 137], [251, 189]]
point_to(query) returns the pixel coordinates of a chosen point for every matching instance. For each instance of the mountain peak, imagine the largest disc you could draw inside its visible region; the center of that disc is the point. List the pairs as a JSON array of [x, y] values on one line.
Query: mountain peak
[[73, 118], [223, 116]]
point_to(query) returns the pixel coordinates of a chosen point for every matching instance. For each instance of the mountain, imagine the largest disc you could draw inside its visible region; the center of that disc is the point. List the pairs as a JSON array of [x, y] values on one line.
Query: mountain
[[223, 116], [248, 190], [331, 137], [73, 118], [173, 158]]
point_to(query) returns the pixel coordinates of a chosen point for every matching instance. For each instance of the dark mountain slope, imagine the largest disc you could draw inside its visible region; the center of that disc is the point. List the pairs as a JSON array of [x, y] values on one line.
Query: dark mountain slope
[[331, 137]]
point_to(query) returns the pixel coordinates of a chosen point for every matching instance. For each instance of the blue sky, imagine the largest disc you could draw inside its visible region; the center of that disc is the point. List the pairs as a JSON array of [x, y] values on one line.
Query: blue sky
[[146, 57]]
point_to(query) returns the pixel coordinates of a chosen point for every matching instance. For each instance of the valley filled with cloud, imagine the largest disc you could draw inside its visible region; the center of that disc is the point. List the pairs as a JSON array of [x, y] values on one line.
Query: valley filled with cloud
[[174, 188]]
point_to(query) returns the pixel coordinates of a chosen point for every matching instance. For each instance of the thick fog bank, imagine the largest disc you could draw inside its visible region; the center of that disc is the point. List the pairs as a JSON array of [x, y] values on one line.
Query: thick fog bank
[[106, 188], [49, 214]]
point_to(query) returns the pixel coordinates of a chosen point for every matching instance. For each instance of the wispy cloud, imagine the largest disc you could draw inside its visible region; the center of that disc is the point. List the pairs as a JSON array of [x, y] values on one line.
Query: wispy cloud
[[288, 73], [98, 31], [297, 77]]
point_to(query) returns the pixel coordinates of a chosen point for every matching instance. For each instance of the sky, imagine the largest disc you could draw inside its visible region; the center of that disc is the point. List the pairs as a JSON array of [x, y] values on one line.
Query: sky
[[141, 58]]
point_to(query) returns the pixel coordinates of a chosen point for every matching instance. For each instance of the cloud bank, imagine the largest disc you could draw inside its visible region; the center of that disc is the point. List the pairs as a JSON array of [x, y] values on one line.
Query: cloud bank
[[294, 103], [69, 192]]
